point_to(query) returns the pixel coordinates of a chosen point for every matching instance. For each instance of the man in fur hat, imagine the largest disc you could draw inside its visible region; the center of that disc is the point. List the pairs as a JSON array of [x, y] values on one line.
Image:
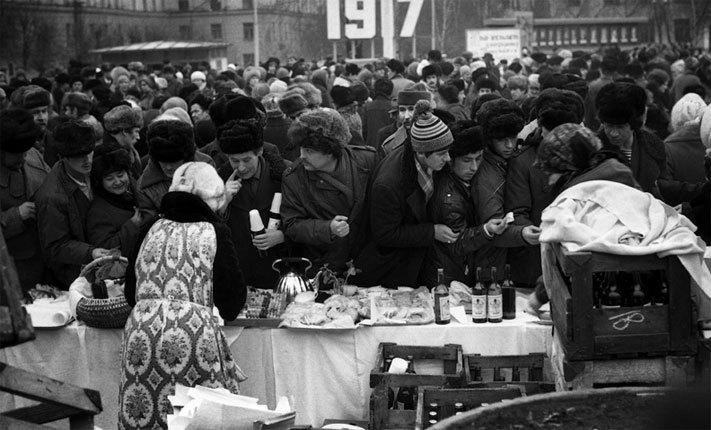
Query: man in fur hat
[[324, 193], [38, 102], [23, 172], [123, 125], [252, 177], [63, 202], [401, 231], [406, 101], [621, 108], [501, 120], [171, 143]]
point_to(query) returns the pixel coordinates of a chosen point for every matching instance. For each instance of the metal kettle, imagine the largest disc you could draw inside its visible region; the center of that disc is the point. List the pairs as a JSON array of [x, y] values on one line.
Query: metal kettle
[[293, 278]]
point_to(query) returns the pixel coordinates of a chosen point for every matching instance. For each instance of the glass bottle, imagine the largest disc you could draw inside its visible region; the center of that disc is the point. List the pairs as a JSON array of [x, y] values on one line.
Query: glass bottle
[[612, 298], [638, 296], [441, 299], [407, 396], [508, 292], [478, 299], [494, 308]]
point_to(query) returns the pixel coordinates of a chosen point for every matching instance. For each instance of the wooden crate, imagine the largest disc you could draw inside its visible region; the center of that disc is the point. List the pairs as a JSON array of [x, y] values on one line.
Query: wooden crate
[[470, 398], [525, 371], [383, 418], [587, 333]]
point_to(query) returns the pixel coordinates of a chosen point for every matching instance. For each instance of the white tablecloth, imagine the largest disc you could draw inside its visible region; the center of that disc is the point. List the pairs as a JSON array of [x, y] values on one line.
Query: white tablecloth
[[325, 373]]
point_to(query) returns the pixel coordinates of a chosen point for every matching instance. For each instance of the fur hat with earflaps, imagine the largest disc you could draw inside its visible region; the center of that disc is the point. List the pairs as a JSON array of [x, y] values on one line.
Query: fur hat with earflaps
[[74, 138], [238, 138], [500, 118], [170, 141]]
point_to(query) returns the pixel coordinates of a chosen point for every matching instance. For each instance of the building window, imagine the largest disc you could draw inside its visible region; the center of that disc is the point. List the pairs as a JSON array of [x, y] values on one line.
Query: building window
[[247, 4], [216, 31], [248, 31], [186, 32], [611, 2], [215, 5], [248, 59], [573, 3], [183, 5]]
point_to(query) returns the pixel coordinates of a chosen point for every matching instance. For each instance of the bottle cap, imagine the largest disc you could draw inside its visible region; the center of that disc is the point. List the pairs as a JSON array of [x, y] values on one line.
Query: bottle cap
[[255, 221], [276, 203]]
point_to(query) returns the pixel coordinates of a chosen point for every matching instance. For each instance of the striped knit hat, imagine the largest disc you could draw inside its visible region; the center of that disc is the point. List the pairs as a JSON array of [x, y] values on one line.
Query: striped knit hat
[[429, 133]]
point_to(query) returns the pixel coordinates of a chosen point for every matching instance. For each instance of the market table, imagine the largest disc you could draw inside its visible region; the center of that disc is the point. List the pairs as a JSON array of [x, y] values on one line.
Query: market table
[[325, 373]]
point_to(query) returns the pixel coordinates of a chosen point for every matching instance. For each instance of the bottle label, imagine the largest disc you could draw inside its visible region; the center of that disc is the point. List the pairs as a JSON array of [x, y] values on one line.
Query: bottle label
[[495, 309], [478, 307], [442, 303]]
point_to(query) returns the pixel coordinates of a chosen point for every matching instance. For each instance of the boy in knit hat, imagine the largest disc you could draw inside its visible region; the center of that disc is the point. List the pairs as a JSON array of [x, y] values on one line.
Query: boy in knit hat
[[401, 229], [63, 202], [324, 192]]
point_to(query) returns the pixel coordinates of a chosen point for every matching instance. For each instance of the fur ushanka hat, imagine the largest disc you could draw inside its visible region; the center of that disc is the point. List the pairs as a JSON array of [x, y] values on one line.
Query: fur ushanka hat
[[621, 103], [500, 118], [74, 138], [170, 141], [238, 138], [18, 131], [109, 157]]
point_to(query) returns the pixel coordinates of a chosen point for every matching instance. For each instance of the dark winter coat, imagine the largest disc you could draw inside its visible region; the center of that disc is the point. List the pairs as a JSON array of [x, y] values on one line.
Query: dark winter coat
[[22, 237], [488, 187], [276, 133], [648, 159], [401, 230], [108, 223], [257, 270], [61, 218], [309, 203], [375, 116], [153, 185], [527, 194], [452, 205]]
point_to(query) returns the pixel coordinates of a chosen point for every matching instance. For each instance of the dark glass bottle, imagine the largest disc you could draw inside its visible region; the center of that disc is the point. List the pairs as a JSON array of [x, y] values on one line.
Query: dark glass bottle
[[494, 307], [638, 296], [441, 299], [478, 299], [663, 294], [612, 298], [508, 292], [407, 396]]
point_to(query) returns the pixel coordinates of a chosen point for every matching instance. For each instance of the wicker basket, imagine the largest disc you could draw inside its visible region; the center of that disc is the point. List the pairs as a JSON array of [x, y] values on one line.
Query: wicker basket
[[111, 312]]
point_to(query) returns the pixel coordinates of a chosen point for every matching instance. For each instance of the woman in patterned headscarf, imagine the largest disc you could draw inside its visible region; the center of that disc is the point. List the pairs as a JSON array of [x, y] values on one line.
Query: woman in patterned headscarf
[[571, 154], [186, 264]]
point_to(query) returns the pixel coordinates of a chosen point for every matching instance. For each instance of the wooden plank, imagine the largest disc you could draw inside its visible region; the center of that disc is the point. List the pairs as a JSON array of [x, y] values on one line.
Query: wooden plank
[[413, 379], [631, 320], [530, 360], [379, 407], [606, 346], [682, 327], [7, 423], [582, 301], [43, 413], [44, 389], [401, 419], [527, 387], [422, 352], [255, 322]]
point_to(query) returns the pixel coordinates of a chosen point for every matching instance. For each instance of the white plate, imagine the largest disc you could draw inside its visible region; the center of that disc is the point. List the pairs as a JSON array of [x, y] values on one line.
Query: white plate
[[342, 426]]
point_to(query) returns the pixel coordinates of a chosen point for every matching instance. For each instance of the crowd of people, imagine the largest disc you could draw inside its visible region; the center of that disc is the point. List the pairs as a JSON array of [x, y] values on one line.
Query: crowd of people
[[395, 168]]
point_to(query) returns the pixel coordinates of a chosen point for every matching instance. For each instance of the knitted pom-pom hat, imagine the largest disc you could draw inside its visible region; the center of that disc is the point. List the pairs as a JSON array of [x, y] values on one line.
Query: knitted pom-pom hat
[[428, 133]]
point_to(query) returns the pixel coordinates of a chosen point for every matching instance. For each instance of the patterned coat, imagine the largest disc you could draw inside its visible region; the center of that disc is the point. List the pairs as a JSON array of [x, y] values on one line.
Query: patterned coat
[[186, 263]]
